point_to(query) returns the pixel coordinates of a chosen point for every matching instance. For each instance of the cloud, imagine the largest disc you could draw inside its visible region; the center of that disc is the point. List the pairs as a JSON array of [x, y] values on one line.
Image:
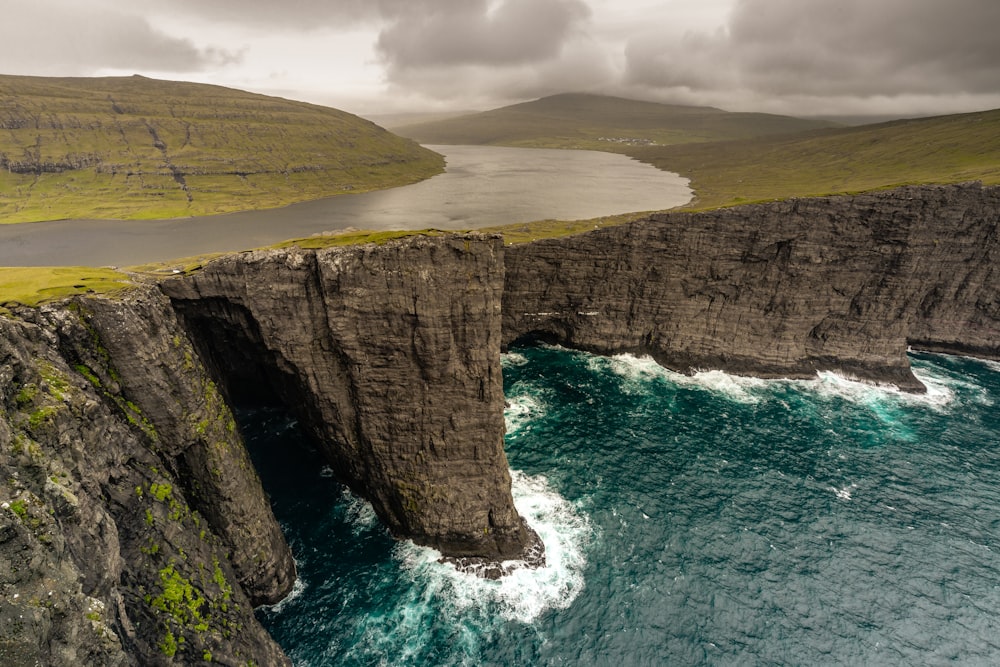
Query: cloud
[[474, 33], [579, 67], [830, 49], [507, 50], [85, 38], [296, 15]]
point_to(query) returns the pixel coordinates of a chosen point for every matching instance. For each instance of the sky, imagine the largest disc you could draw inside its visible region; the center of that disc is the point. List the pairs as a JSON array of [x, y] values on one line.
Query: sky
[[796, 57]]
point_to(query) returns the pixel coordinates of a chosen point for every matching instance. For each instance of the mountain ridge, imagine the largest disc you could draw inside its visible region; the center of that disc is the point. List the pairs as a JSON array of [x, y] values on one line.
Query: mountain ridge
[[586, 120], [137, 148]]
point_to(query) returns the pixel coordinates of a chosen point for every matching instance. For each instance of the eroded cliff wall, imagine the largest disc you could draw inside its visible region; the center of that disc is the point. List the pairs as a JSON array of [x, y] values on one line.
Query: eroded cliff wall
[[782, 289], [390, 357], [131, 515], [134, 529]]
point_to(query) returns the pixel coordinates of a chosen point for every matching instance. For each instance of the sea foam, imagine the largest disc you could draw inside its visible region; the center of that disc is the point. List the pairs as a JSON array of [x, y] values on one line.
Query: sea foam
[[432, 598], [526, 593], [636, 371], [520, 410]]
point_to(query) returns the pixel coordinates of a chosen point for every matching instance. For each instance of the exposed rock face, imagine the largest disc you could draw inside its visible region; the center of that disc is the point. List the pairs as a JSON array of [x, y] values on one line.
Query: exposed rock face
[[783, 289], [131, 516], [390, 356], [133, 529]]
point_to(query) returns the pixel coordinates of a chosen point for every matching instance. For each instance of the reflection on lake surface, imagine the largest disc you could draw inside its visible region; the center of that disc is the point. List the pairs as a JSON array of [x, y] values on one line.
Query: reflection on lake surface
[[483, 186]]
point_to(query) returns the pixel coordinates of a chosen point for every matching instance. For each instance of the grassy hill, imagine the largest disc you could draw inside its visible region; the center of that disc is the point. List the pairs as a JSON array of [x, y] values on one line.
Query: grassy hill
[[941, 149], [734, 158], [132, 147], [577, 120]]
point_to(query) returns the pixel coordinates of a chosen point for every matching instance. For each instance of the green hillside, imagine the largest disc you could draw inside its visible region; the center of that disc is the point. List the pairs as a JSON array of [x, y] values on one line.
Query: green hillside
[[598, 122], [132, 147], [941, 149]]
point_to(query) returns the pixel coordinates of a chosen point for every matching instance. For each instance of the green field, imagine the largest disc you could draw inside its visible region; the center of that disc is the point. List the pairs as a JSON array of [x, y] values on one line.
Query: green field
[[137, 148], [942, 149]]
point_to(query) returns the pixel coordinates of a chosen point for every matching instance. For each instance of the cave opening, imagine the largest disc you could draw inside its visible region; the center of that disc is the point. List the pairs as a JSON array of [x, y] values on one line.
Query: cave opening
[[271, 407], [231, 346]]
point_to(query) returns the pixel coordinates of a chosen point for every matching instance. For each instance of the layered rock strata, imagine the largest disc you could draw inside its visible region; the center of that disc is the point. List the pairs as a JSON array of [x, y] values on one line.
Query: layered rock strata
[[133, 527], [389, 355], [134, 530], [783, 289]]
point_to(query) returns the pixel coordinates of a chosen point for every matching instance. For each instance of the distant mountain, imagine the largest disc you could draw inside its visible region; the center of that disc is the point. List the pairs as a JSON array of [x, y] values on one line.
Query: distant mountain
[[579, 120], [133, 147], [939, 149]]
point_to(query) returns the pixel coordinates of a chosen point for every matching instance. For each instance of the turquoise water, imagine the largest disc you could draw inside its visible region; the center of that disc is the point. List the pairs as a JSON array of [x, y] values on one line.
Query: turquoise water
[[689, 520]]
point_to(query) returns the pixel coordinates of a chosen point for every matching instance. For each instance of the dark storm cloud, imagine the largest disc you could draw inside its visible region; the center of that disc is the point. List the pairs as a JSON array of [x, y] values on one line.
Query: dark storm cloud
[[832, 48], [473, 33], [419, 33], [50, 38]]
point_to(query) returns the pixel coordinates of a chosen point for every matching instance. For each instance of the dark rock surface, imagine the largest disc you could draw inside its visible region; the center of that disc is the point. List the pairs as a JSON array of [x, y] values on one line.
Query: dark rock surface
[[115, 549], [390, 356], [134, 529], [783, 289]]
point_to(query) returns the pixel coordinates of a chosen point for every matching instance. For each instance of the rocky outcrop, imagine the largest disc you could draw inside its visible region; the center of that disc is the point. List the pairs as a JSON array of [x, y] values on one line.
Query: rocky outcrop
[[133, 529], [783, 289], [390, 357]]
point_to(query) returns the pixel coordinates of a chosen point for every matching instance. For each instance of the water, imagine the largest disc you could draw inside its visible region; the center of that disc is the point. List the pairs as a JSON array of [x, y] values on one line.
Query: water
[[705, 520], [482, 186]]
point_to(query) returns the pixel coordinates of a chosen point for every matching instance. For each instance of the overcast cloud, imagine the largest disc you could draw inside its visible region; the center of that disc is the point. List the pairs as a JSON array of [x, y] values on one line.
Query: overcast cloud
[[904, 57]]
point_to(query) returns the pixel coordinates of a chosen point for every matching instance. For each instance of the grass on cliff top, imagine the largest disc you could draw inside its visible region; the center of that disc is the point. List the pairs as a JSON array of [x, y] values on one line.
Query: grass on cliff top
[[355, 237], [138, 148], [32, 286], [526, 232]]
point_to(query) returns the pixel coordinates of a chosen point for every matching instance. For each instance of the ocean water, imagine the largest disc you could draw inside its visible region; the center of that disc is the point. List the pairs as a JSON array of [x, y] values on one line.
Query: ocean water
[[706, 520]]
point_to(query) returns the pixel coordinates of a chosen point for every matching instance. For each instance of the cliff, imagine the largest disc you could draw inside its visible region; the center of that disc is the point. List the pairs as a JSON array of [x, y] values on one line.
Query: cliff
[[782, 290], [390, 356], [134, 529]]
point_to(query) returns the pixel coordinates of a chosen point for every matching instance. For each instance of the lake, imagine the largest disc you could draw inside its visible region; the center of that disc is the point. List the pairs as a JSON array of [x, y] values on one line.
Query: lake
[[482, 186]]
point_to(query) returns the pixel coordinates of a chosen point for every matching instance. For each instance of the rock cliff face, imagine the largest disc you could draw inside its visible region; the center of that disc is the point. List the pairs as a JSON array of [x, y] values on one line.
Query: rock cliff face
[[390, 357], [133, 527], [783, 289]]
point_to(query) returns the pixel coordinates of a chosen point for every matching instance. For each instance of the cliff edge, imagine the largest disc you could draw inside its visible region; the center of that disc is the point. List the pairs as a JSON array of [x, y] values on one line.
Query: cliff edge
[[134, 529], [775, 290], [389, 355]]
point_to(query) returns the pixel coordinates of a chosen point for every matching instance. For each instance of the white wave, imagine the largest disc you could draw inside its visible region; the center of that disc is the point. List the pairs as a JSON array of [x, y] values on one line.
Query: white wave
[[358, 512], [513, 359], [938, 396], [297, 588], [737, 388], [524, 594], [520, 410], [629, 366], [940, 382], [844, 493]]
